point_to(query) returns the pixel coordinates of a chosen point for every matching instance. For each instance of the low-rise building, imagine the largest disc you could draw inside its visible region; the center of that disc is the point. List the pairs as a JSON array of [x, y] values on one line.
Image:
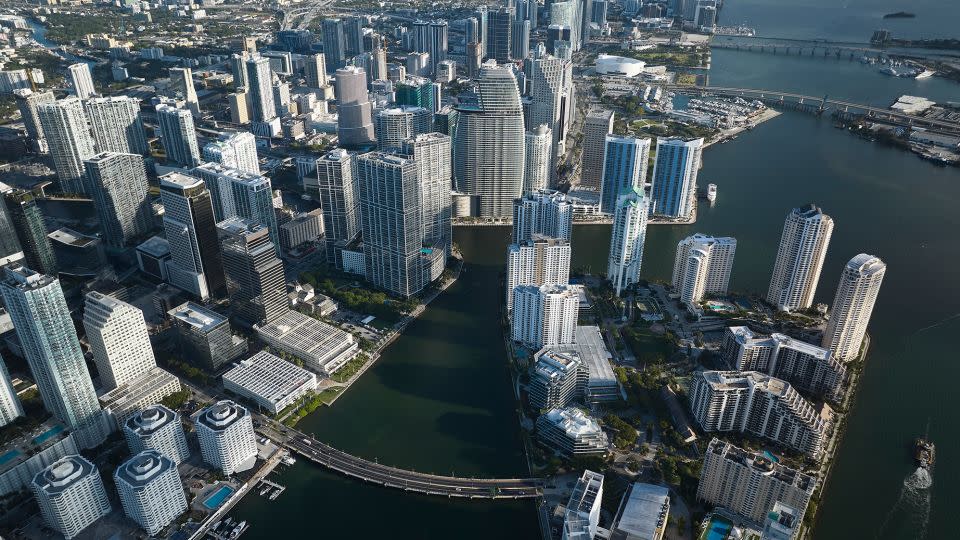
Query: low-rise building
[[153, 255], [571, 432], [643, 513], [70, 494], [150, 490], [22, 458], [227, 439], [269, 381], [136, 395], [304, 228], [323, 348], [556, 379], [157, 428]]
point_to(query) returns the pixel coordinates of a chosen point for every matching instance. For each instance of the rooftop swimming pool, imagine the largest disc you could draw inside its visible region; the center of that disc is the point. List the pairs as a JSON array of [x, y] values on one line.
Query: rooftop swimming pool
[[214, 501], [8, 456], [47, 435], [718, 529]]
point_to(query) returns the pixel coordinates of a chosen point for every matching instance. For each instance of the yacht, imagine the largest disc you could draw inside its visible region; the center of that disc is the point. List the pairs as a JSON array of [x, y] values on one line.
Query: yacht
[[711, 192]]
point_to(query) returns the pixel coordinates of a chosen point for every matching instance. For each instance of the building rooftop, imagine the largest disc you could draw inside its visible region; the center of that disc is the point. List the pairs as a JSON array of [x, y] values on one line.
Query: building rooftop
[[141, 469], [269, 377], [21, 277], [763, 464], [197, 316], [71, 237], [574, 422], [221, 415], [63, 473], [156, 246], [15, 452], [151, 419], [643, 512], [177, 180]]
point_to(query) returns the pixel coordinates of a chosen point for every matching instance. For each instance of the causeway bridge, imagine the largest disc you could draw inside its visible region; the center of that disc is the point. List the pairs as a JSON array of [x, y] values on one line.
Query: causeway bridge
[[429, 484], [819, 105]]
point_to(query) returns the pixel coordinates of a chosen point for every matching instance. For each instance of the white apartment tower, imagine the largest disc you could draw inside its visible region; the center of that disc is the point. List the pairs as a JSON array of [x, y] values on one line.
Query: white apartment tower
[[118, 339], [538, 159], [549, 80], [157, 428], [339, 189], [395, 125], [10, 407], [260, 84], [48, 338], [116, 125], [431, 153], [853, 305], [627, 239], [546, 213], [545, 315], [178, 135], [237, 150], [82, 80], [538, 261], [803, 248], [68, 137], [315, 70], [150, 490], [227, 439], [70, 494], [702, 266]]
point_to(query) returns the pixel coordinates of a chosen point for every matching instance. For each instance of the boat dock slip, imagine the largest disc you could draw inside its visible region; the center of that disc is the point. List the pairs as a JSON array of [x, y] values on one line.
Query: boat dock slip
[[272, 490]]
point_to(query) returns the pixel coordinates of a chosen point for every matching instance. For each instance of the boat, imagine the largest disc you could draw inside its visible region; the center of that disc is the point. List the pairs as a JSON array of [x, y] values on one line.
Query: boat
[[274, 495], [288, 460], [711, 192], [925, 74], [924, 452], [899, 15]]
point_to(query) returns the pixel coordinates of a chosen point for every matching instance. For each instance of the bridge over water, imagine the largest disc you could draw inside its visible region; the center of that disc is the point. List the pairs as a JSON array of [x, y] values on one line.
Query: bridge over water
[[429, 484]]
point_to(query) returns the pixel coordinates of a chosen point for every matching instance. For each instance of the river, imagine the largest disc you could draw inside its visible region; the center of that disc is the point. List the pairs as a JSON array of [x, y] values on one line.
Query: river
[[440, 398]]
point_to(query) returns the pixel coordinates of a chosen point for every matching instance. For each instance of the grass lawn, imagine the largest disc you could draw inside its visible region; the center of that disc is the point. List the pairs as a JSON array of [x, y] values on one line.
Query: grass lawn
[[647, 346]]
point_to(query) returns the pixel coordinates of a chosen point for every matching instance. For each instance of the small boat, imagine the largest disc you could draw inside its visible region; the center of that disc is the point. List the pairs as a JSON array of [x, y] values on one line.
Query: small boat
[[288, 460], [925, 74], [711, 192], [924, 452], [274, 495]]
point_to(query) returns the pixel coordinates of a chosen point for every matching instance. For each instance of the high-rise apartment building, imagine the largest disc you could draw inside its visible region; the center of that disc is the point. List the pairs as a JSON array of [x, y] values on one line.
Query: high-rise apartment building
[[68, 138], [750, 484], [545, 315], [116, 125], [117, 183], [395, 125], [853, 305], [355, 120], [70, 494], [118, 338], [489, 144], [675, 171], [627, 239], [237, 193], [27, 222], [550, 79], [806, 367], [598, 125], [237, 150], [582, 517], [499, 34], [10, 406], [803, 248], [546, 213], [353, 36], [390, 217], [520, 40], [195, 265], [227, 439], [624, 169], [315, 70], [27, 102], [339, 190], [157, 428], [782, 523], [181, 84], [178, 135], [81, 80], [431, 152], [538, 159], [758, 405], [702, 266], [238, 67], [334, 43], [255, 279], [260, 85], [48, 339], [539, 261], [150, 489]]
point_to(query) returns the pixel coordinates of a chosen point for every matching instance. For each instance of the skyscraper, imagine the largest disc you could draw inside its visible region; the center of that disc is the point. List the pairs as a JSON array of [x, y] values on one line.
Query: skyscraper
[[550, 78], [338, 184], [9, 243], [255, 279], [236, 150], [355, 121], [500, 34], [702, 266], [68, 137], [70, 494], [48, 339], [390, 217], [181, 83], [803, 247], [545, 315], [238, 66], [627, 239], [489, 145], [395, 125], [431, 154], [415, 91], [178, 135], [598, 125], [81, 80], [195, 265], [27, 102], [237, 193], [853, 305], [116, 125], [118, 338], [315, 70], [260, 83], [150, 489], [545, 213], [675, 176], [353, 35], [334, 43], [538, 156], [538, 261], [27, 221], [624, 168], [474, 59], [227, 439], [157, 428], [10, 407], [117, 183], [520, 40]]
